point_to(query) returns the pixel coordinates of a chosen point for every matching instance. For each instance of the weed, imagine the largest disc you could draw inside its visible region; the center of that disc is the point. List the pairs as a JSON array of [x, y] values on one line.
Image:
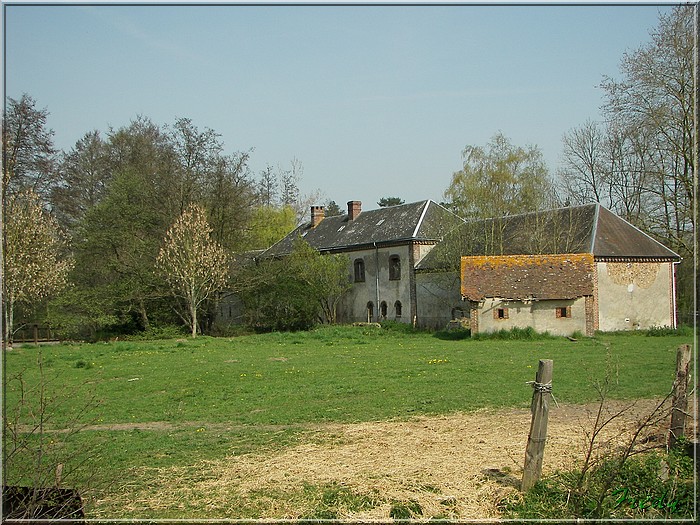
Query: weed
[[405, 510], [514, 334]]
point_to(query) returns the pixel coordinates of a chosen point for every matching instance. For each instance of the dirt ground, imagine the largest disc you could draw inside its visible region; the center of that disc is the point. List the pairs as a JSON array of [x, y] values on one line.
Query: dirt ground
[[456, 466]]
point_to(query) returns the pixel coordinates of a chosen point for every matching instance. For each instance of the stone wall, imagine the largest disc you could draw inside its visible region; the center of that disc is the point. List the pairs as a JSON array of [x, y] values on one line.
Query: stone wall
[[635, 295], [558, 317]]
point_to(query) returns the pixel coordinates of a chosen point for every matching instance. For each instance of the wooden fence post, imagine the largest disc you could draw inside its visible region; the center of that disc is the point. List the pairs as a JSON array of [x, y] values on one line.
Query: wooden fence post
[[680, 398], [534, 453]]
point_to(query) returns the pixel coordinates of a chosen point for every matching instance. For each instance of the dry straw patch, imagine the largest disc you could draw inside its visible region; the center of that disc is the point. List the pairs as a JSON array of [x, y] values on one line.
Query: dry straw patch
[[457, 466]]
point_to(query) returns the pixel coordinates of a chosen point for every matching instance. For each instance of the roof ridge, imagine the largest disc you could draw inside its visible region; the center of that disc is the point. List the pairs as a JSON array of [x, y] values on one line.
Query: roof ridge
[[594, 230], [420, 220]]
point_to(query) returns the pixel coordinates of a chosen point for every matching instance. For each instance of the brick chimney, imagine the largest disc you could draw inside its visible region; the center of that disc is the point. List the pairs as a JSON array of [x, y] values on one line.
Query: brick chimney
[[354, 209], [317, 215]]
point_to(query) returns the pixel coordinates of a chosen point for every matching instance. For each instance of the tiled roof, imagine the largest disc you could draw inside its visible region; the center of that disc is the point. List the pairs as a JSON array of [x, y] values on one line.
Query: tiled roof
[[417, 221], [522, 277], [590, 228]]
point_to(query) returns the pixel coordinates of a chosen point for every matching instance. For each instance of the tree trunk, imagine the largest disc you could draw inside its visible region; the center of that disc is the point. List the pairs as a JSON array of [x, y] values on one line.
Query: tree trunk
[[193, 315], [9, 315]]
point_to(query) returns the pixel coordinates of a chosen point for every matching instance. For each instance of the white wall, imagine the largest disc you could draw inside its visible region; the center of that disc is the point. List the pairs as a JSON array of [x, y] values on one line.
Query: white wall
[[540, 315], [634, 296]]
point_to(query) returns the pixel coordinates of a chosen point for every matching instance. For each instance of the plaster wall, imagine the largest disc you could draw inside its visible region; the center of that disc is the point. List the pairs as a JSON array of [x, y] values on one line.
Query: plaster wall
[[540, 315], [438, 296], [634, 295], [353, 305]]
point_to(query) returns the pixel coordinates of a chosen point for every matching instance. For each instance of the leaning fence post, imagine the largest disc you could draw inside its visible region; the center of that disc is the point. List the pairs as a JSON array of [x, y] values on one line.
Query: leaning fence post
[[534, 453], [680, 398]]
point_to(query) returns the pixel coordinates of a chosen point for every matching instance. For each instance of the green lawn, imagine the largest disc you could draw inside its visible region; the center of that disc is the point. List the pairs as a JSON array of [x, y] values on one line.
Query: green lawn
[[261, 392]]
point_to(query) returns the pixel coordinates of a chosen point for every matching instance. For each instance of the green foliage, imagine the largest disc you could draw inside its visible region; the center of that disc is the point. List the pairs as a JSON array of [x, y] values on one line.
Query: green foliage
[[297, 292], [499, 180], [331, 501], [269, 224], [386, 202], [405, 510], [514, 334], [155, 333], [637, 491]]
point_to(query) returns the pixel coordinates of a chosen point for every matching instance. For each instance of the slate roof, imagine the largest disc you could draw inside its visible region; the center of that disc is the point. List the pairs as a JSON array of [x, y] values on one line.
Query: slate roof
[[424, 221], [590, 228]]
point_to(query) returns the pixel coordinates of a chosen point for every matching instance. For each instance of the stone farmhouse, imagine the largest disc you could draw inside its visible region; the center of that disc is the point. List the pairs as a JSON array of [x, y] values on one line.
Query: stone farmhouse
[[383, 246], [572, 269], [575, 269]]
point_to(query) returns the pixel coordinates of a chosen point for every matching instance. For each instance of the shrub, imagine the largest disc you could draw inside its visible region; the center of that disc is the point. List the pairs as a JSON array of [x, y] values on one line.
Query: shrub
[[514, 334], [637, 484]]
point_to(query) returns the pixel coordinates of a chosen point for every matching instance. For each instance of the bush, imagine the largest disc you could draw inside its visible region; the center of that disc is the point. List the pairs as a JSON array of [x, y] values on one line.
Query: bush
[[157, 332], [514, 334], [638, 491]]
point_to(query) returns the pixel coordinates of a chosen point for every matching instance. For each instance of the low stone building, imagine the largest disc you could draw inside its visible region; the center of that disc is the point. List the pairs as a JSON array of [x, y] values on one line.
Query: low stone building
[[572, 269]]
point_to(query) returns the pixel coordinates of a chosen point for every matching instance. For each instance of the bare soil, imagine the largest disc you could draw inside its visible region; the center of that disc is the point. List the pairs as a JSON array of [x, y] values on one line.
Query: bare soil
[[458, 466]]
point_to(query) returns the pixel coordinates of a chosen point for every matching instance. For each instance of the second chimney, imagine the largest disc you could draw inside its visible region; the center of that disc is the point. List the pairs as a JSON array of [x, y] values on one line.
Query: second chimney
[[317, 215], [354, 209]]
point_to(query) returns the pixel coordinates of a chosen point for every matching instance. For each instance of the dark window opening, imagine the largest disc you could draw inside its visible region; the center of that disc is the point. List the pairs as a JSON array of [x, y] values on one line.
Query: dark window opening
[[500, 313], [563, 312], [359, 271], [370, 311], [383, 310], [394, 268], [397, 307]]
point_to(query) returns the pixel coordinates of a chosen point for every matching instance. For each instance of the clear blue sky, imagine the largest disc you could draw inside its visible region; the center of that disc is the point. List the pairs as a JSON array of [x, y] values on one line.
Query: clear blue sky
[[374, 101]]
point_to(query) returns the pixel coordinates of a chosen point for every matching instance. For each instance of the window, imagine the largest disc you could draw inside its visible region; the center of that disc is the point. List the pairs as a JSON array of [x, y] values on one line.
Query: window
[[563, 312], [397, 307], [394, 268], [383, 309], [500, 313], [359, 270], [370, 311]]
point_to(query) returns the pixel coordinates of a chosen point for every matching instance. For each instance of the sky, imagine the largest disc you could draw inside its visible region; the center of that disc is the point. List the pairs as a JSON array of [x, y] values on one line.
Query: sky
[[373, 100]]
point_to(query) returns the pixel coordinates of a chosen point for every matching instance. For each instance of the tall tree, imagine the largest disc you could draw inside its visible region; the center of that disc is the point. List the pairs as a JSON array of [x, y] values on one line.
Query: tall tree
[[192, 263], [642, 163], [85, 174], [655, 100], [35, 265], [28, 153], [385, 202], [499, 180], [332, 209]]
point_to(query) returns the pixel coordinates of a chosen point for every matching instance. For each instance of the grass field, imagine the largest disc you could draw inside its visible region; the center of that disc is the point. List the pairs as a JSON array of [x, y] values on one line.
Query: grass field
[[173, 403]]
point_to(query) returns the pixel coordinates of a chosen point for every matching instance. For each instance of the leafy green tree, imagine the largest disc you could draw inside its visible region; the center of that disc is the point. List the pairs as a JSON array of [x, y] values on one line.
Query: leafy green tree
[[499, 180], [325, 276], [296, 292], [193, 265], [117, 245], [385, 202], [35, 265], [268, 225]]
